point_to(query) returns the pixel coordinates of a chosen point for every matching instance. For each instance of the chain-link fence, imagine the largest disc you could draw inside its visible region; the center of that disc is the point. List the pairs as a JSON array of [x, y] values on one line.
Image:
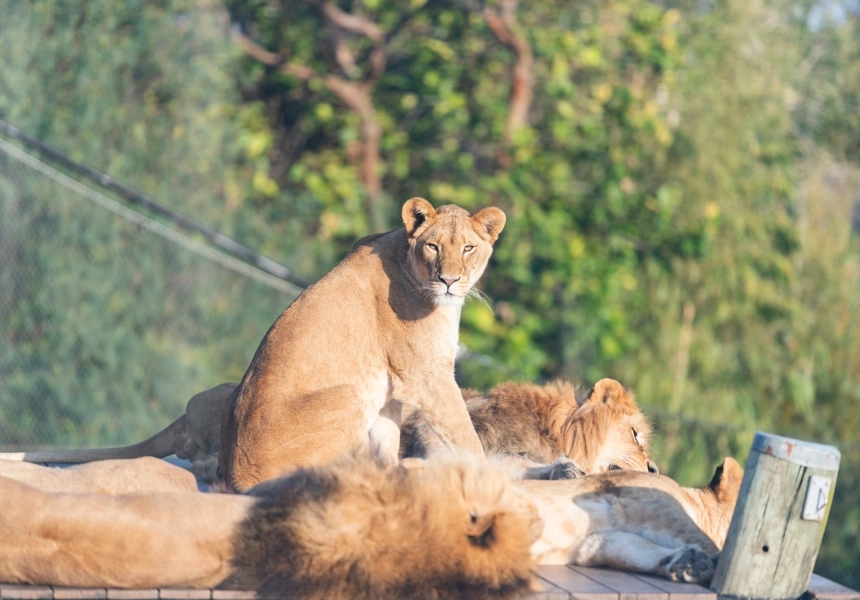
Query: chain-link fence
[[109, 322]]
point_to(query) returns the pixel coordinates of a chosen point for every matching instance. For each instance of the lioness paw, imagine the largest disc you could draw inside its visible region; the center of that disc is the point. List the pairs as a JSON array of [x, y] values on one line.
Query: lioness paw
[[689, 564], [563, 468], [206, 470]]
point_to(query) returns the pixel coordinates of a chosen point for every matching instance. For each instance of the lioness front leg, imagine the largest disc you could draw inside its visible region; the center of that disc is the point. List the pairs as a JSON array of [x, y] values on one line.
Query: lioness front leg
[[520, 467], [445, 415], [563, 468], [632, 552], [385, 433]]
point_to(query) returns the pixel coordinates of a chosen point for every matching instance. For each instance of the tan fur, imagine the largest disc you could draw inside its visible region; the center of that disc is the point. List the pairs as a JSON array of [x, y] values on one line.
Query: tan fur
[[379, 329], [455, 529], [636, 521], [538, 432], [112, 477], [610, 414], [543, 432]]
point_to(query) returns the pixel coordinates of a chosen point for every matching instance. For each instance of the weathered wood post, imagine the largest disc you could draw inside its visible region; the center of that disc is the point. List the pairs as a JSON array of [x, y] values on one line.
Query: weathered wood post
[[779, 519]]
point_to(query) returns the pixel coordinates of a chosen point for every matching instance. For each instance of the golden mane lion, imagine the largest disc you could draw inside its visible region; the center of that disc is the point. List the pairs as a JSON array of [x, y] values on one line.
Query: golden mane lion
[[354, 529], [543, 432]]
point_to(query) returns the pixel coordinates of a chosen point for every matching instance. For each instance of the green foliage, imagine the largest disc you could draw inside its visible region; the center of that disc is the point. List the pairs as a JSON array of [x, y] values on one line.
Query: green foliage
[[106, 330], [679, 201]]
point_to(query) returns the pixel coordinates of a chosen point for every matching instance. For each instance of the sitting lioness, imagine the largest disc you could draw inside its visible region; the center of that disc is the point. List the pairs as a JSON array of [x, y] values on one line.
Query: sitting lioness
[[543, 432], [377, 330]]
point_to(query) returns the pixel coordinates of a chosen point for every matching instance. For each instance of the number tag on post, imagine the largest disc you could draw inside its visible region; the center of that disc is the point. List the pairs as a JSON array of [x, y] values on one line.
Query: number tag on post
[[816, 498]]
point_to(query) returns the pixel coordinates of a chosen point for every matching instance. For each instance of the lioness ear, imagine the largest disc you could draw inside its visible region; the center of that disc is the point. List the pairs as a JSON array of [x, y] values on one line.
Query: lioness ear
[[480, 530], [726, 482], [415, 213], [491, 220]]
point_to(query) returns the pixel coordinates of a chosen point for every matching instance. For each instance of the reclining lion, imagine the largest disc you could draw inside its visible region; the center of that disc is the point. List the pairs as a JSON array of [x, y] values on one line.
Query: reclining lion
[[544, 432], [636, 522], [354, 529], [538, 432], [195, 436], [112, 477]]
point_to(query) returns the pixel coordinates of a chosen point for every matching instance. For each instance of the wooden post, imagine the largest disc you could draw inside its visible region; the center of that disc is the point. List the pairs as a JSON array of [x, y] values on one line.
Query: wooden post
[[779, 520]]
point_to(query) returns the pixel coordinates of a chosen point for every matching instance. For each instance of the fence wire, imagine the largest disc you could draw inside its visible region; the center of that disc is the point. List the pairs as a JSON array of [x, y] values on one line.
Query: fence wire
[[110, 321]]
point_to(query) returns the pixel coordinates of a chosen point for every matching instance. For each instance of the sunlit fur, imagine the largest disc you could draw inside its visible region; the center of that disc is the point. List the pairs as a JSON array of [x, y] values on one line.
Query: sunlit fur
[[448, 243], [543, 423], [454, 529], [353, 529], [636, 522], [610, 415], [332, 371]]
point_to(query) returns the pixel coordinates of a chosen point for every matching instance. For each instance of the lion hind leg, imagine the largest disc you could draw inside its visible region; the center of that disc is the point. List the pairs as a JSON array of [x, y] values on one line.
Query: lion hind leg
[[162, 444], [632, 552], [278, 438]]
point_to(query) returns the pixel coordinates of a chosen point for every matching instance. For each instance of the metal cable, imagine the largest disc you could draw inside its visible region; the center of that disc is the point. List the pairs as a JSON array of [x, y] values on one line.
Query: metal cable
[[146, 223]]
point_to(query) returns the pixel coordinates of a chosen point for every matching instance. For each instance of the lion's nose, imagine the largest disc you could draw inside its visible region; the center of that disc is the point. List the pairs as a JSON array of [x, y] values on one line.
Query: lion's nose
[[652, 467], [448, 282]]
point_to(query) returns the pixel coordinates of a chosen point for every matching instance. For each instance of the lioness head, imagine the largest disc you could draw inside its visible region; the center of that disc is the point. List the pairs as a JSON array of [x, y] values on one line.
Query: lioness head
[[607, 432], [449, 248]]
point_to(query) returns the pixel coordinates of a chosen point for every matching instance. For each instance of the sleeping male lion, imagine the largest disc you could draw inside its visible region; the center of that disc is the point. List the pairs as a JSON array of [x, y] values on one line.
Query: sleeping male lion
[[543, 432], [536, 432], [355, 529]]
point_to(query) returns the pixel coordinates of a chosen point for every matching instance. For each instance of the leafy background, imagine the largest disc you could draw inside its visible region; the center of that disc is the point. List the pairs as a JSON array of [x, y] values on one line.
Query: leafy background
[[681, 182]]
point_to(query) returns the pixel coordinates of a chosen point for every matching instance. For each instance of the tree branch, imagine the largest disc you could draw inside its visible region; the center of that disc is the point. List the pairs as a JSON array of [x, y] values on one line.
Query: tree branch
[[361, 26], [254, 50], [353, 23], [356, 95], [503, 24]]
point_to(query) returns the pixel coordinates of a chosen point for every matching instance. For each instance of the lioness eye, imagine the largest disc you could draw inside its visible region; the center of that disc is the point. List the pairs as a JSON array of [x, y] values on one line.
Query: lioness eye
[[433, 247], [636, 437], [614, 468], [468, 249]]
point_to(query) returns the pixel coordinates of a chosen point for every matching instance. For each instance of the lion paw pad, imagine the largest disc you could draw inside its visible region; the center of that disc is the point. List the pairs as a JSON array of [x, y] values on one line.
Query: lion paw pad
[[689, 564]]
